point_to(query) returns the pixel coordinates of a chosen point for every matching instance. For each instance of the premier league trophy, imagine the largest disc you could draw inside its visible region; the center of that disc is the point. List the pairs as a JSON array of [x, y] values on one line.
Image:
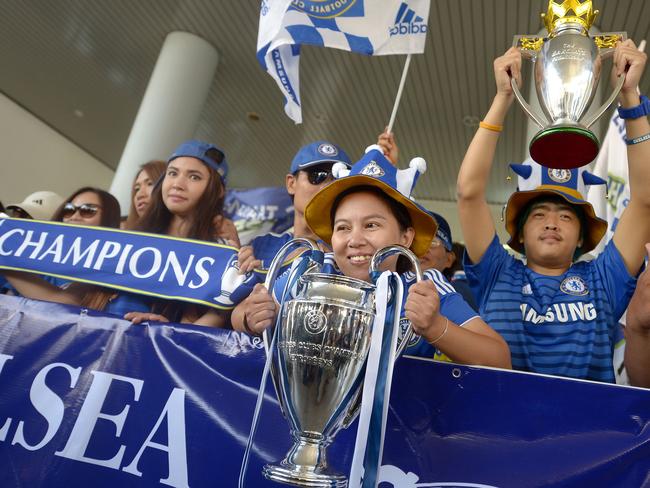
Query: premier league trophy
[[567, 65], [322, 345]]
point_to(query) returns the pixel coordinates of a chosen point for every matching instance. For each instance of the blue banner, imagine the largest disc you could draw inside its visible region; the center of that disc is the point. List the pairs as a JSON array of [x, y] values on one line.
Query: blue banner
[[155, 265], [91, 400], [258, 211]]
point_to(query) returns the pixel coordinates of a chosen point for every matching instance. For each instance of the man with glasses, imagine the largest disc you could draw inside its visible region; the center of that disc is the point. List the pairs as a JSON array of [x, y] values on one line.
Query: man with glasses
[[311, 170]]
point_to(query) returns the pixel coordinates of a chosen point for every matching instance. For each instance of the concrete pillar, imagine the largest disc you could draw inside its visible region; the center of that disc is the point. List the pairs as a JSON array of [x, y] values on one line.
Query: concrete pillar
[[170, 109]]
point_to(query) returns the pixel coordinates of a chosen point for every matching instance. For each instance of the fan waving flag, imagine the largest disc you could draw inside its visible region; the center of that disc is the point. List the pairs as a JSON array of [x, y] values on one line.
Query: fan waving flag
[[370, 27]]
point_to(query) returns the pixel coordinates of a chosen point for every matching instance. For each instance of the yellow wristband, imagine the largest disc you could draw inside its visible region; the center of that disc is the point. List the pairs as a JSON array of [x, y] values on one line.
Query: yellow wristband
[[493, 128]]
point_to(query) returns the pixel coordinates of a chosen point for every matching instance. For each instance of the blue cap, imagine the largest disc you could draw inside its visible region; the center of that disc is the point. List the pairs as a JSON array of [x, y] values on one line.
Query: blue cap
[[199, 150], [318, 152], [444, 232]]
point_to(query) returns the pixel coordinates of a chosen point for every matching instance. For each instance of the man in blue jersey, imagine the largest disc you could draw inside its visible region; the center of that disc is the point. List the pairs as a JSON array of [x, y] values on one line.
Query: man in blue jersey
[[311, 170], [558, 316]]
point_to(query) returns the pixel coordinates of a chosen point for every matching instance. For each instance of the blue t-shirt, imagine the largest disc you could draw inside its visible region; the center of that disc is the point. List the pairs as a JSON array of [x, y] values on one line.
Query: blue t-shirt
[[452, 304], [560, 325], [266, 246], [126, 302]]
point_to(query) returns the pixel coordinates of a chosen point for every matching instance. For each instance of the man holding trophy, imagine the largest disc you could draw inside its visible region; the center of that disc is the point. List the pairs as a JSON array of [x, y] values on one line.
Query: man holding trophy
[[558, 316]]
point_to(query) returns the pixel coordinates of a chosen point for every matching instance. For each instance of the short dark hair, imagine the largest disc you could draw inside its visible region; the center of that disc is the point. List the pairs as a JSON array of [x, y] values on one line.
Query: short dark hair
[[558, 200]]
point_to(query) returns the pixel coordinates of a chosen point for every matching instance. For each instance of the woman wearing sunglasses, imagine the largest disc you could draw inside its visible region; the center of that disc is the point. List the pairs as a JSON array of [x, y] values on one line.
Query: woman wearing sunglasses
[[92, 207]]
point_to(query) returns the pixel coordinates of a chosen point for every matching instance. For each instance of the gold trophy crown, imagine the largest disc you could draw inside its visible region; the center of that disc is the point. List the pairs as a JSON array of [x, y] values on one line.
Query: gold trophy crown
[[569, 11]]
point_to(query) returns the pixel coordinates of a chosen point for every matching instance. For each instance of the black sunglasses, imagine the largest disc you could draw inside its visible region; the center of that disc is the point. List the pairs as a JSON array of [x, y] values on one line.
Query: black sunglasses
[[86, 210], [318, 174]]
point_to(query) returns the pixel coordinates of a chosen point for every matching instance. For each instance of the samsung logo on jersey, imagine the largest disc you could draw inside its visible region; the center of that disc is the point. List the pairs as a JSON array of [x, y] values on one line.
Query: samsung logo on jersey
[[407, 22], [560, 312]]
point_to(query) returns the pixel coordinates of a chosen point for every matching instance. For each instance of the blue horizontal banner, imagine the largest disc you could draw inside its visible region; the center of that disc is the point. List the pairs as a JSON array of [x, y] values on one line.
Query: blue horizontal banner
[[149, 264], [91, 400]]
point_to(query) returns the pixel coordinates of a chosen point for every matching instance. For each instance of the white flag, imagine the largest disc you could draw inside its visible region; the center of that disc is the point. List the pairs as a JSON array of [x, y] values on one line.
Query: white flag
[[611, 165], [371, 27]]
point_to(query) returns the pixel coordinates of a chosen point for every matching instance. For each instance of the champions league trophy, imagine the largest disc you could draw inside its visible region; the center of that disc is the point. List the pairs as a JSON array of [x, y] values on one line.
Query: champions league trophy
[[567, 69], [322, 345]]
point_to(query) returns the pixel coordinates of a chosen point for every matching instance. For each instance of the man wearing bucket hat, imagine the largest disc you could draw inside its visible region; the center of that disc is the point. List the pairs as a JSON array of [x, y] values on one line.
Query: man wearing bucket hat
[[367, 208], [558, 316]]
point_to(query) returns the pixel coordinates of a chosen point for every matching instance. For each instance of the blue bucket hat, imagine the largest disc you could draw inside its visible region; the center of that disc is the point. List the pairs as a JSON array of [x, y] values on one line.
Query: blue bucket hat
[[199, 150], [318, 152], [444, 232], [535, 181], [374, 170]]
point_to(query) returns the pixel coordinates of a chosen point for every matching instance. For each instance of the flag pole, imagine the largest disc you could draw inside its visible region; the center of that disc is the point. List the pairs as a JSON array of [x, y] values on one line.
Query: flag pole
[[399, 93]]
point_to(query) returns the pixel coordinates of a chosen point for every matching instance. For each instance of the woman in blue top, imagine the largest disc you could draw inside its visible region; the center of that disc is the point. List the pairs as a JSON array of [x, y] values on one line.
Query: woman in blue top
[[370, 208]]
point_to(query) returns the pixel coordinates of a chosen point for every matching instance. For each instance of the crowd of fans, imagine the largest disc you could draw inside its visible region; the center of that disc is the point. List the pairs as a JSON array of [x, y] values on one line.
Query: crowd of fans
[[480, 306]]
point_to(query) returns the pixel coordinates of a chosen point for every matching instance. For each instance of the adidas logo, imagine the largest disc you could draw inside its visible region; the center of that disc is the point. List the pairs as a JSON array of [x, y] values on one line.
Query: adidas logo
[[407, 22]]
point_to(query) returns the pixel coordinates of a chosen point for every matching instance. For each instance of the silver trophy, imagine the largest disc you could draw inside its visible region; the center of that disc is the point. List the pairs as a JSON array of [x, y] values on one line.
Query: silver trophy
[[322, 345], [567, 69]]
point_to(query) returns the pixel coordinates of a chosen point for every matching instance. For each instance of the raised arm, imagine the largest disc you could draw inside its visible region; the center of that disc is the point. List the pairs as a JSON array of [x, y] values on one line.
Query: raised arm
[[633, 230], [474, 212], [637, 332]]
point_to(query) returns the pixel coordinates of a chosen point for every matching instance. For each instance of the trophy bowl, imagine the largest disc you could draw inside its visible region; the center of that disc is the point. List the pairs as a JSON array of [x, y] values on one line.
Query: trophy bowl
[[322, 347]]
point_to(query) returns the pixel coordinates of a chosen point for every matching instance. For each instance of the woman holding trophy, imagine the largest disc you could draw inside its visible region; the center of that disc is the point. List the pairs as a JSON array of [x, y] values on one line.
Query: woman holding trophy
[[364, 210]]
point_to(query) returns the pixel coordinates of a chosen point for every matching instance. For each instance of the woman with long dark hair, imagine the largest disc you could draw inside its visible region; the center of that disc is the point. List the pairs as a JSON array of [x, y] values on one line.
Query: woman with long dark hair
[[188, 203], [143, 184]]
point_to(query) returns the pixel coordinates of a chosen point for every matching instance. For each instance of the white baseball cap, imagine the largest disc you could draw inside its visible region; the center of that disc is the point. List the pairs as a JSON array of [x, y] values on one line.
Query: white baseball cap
[[40, 205]]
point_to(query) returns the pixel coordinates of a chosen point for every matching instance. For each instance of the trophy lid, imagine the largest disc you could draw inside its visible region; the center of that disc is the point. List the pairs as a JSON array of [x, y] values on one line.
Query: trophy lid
[[569, 11]]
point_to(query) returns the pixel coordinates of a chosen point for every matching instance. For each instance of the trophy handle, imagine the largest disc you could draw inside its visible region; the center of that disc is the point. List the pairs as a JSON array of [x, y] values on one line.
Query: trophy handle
[[606, 45], [529, 46], [596, 115], [271, 276], [537, 118], [377, 259], [275, 267]]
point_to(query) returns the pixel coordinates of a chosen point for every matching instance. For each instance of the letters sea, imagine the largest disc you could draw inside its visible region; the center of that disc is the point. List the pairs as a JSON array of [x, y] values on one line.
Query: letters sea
[[51, 407]]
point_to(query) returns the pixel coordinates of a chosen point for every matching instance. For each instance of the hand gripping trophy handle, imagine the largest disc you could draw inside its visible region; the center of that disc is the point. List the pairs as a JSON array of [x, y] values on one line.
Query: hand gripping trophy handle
[[271, 276], [375, 262]]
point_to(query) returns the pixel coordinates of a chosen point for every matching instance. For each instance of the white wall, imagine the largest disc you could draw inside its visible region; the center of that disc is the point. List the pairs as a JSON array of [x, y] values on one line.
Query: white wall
[[35, 157]]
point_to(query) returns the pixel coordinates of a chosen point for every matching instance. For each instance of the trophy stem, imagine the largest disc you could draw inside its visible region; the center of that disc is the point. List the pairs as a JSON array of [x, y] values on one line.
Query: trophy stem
[[306, 465]]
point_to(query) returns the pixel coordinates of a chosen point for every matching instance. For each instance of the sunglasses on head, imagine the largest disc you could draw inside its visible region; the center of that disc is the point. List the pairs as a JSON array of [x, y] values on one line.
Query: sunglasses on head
[[86, 210], [318, 174]]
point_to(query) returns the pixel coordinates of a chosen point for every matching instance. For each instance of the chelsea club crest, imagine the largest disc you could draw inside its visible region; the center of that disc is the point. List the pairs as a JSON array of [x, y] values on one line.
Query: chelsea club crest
[[327, 150], [325, 9], [574, 285], [559, 175], [372, 169]]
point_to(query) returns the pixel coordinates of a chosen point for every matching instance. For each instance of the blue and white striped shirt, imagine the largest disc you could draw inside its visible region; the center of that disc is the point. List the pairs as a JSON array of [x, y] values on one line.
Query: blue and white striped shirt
[[560, 325]]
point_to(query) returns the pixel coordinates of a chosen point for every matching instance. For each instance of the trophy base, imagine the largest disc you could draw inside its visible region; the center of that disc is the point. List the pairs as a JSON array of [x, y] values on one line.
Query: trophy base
[[299, 477], [564, 147]]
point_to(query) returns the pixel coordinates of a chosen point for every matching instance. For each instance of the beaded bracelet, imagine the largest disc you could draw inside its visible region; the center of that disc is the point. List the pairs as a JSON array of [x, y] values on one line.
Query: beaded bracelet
[[492, 127], [637, 140], [443, 332]]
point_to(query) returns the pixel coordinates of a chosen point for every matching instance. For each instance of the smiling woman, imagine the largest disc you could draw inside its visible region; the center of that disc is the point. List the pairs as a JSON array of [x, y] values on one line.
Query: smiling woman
[[365, 209]]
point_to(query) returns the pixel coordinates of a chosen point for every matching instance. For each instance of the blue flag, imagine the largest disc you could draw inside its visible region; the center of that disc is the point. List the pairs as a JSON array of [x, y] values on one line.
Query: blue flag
[[370, 27]]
